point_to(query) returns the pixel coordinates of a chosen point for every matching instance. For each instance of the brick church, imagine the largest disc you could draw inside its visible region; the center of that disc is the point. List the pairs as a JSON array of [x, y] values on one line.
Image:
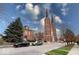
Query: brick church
[[49, 29], [49, 34]]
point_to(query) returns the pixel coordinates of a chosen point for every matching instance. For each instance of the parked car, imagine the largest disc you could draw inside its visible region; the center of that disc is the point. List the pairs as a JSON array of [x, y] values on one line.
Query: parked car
[[78, 43], [21, 44], [37, 43]]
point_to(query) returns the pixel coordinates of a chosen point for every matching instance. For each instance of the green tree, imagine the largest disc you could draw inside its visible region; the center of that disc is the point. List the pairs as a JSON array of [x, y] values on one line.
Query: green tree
[[14, 32]]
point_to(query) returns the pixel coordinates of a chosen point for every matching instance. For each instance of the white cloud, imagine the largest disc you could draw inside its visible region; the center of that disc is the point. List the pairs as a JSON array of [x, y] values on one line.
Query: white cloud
[[58, 32], [42, 21], [64, 9], [35, 28], [58, 19], [18, 7], [62, 4], [64, 13], [36, 10], [13, 17], [29, 6]]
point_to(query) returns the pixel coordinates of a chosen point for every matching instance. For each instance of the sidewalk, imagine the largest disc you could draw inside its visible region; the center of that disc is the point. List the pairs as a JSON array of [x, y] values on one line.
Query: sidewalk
[[74, 50], [5, 46]]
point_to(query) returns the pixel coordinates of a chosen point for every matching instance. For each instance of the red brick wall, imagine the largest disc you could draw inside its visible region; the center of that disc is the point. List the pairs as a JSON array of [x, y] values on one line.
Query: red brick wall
[[28, 34]]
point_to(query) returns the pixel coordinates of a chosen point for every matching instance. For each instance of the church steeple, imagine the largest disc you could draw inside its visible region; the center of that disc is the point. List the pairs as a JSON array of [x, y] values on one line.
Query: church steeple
[[47, 27], [52, 20], [46, 13]]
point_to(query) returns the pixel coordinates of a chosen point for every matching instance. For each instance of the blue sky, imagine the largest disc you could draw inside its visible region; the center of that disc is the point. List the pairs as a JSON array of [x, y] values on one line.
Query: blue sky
[[31, 14]]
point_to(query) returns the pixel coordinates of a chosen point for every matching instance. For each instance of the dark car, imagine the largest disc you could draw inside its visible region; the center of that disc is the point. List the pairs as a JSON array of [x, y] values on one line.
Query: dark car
[[78, 43], [21, 44]]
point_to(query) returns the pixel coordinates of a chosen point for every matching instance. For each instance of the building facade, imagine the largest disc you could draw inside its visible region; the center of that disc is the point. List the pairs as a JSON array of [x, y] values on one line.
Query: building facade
[[49, 29], [49, 34], [53, 31], [28, 34]]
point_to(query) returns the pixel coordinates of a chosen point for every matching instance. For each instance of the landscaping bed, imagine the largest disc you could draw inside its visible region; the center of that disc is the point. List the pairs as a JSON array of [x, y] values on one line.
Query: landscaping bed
[[60, 51]]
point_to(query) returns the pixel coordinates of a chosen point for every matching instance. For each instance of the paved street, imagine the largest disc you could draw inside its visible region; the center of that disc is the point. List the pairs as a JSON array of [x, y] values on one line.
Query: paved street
[[74, 50], [31, 50]]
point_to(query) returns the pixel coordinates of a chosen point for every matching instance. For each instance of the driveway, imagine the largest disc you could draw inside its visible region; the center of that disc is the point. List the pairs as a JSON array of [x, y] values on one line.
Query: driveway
[[31, 50]]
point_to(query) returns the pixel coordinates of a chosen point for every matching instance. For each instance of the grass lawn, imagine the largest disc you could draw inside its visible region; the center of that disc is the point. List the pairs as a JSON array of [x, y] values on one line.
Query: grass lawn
[[60, 51]]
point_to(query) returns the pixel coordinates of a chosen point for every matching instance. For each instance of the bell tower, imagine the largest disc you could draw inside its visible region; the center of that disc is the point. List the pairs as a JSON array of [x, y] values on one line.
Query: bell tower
[[53, 28], [47, 28]]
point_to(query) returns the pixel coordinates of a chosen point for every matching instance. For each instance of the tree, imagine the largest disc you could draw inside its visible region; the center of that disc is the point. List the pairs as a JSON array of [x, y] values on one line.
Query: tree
[[77, 39], [69, 36], [14, 32]]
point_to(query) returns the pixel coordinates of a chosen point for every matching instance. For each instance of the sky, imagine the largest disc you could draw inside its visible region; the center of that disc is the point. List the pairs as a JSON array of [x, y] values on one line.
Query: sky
[[32, 15]]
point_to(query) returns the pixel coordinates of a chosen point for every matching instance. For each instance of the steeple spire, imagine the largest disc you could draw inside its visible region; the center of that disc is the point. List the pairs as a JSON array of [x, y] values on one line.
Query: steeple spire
[[46, 12], [52, 20]]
